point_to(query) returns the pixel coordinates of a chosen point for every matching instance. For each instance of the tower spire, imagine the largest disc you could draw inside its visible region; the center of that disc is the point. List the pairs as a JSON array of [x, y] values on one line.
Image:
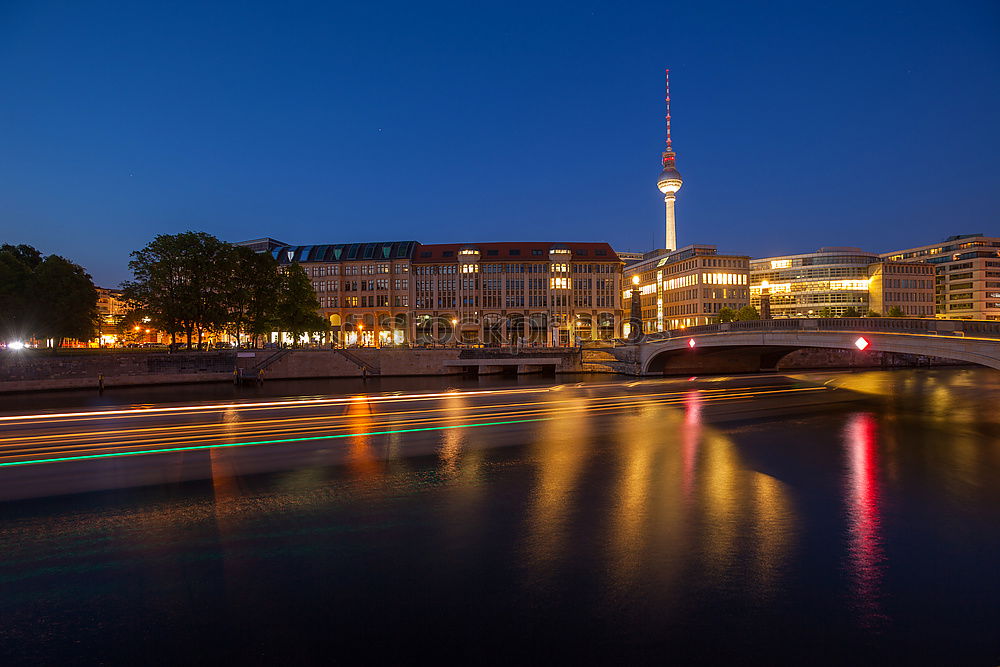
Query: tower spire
[[667, 117], [670, 179]]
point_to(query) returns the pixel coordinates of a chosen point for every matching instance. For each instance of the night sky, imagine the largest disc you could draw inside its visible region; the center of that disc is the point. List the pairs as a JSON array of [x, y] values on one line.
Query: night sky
[[796, 125]]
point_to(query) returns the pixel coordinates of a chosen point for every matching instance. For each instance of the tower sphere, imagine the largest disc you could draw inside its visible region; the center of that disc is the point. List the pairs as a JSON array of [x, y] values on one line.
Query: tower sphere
[[669, 181]]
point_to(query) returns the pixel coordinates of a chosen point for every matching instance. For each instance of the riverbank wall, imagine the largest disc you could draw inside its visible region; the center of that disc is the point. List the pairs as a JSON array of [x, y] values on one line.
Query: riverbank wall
[[31, 370]]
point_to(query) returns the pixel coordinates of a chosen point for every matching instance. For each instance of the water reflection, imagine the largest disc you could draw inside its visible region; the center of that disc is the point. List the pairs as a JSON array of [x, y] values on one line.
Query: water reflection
[[561, 448], [684, 504], [865, 556], [361, 460], [691, 434]]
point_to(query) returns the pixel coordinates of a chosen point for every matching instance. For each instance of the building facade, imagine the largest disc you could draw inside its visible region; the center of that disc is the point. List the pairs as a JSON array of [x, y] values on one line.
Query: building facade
[[831, 281], [401, 292], [363, 289], [687, 287], [967, 275], [534, 293], [111, 310]]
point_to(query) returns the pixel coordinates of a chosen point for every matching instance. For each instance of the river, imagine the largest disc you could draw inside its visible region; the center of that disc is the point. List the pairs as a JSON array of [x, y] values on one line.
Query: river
[[864, 531]]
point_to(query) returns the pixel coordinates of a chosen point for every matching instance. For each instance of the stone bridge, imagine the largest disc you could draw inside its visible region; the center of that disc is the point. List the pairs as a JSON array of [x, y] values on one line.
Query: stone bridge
[[751, 346]]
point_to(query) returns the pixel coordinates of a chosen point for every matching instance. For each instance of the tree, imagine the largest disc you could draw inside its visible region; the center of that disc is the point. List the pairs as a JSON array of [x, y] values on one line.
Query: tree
[[747, 313], [297, 311], [826, 311], [16, 266], [44, 298], [180, 280], [851, 311], [252, 295], [63, 300], [727, 315], [895, 311], [873, 313]]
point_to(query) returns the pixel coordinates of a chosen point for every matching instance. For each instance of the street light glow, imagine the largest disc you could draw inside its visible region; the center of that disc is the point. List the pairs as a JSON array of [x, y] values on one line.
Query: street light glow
[[15, 345]]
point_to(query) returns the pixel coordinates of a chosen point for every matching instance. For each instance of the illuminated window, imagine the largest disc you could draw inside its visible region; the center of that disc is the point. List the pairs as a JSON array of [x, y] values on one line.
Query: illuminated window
[[560, 268], [780, 263], [849, 284], [559, 283], [470, 268]]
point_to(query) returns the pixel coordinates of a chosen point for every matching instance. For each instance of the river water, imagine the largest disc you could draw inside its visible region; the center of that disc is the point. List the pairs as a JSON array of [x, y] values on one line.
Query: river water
[[865, 532]]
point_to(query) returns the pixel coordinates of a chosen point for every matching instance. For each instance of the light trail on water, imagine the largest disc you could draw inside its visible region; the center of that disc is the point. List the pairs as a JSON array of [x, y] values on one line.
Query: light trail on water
[[48, 445]]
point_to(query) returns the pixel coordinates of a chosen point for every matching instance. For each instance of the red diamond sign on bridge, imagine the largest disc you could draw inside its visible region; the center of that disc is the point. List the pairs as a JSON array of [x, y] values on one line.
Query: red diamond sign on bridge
[[861, 343]]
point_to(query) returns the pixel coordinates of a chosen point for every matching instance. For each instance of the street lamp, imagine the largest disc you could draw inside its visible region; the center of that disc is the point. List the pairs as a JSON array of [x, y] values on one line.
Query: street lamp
[[360, 329], [635, 311], [765, 300], [454, 332]]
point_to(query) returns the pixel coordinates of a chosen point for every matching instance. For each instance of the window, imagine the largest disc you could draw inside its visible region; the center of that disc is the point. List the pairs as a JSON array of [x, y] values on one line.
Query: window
[[514, 251], [492, 253], [448, 253], [537, 252]]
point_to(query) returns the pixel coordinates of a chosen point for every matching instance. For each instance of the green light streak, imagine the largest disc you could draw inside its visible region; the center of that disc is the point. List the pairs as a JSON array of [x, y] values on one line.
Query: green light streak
[[261, 442]]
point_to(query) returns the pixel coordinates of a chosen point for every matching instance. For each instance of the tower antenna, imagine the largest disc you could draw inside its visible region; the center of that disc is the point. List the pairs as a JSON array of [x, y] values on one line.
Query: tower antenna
[[670, 179], [667, 117]]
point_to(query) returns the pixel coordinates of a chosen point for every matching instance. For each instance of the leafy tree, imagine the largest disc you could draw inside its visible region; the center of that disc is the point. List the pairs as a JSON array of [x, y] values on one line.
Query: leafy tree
[[180, 279], [826, 311], [16, 266], [851, 311], [747, 313], [727, 315], [874, 313], [251, 298], [63, 300], [895, 311], [297, 311], [44, 298]]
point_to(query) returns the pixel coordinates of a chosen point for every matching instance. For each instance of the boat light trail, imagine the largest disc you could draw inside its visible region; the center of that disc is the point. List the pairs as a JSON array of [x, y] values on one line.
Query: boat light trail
[[263, 442]]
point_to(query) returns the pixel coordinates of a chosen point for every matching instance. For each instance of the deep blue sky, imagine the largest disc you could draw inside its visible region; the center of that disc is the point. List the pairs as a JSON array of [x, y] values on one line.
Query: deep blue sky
[[796, 125]]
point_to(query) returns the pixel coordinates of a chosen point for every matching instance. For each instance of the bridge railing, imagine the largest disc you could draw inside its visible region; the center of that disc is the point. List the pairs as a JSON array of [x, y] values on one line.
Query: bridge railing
[[977, 329]]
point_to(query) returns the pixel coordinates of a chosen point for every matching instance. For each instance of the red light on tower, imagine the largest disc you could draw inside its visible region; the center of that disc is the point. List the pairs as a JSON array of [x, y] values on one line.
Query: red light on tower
[[691, 342], [861, 343]]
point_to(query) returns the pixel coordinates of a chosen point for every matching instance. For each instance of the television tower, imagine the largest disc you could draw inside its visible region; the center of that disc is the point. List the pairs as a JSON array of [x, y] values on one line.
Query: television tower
[[670, 179]]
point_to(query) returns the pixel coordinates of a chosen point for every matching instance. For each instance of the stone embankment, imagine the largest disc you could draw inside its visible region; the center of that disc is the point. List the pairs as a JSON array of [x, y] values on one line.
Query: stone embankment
[[31, 370]]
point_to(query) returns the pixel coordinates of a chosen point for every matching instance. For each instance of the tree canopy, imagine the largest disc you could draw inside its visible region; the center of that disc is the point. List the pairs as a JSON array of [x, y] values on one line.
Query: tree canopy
[[192, 282], [44, 296]]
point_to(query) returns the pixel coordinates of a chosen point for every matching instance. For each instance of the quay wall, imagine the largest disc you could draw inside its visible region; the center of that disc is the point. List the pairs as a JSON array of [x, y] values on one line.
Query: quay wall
[[35, 370]]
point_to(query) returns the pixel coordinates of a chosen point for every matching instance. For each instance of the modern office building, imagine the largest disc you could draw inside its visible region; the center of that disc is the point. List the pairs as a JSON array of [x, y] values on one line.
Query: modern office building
[[401, 291], [831, 281], [967, 274], [687, 287], [631, 257], [266, 244]]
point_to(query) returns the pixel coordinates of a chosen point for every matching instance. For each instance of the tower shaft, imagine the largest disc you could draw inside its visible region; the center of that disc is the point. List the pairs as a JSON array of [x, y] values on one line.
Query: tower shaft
[[671, 235]]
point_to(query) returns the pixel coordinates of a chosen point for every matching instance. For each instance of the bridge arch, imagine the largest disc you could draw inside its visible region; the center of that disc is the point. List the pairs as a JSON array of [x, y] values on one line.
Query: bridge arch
[[736, 352]]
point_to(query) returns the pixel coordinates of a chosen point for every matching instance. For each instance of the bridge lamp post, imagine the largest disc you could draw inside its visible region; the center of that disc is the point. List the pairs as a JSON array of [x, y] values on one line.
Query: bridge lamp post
[[765, 300], [635, 311]]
